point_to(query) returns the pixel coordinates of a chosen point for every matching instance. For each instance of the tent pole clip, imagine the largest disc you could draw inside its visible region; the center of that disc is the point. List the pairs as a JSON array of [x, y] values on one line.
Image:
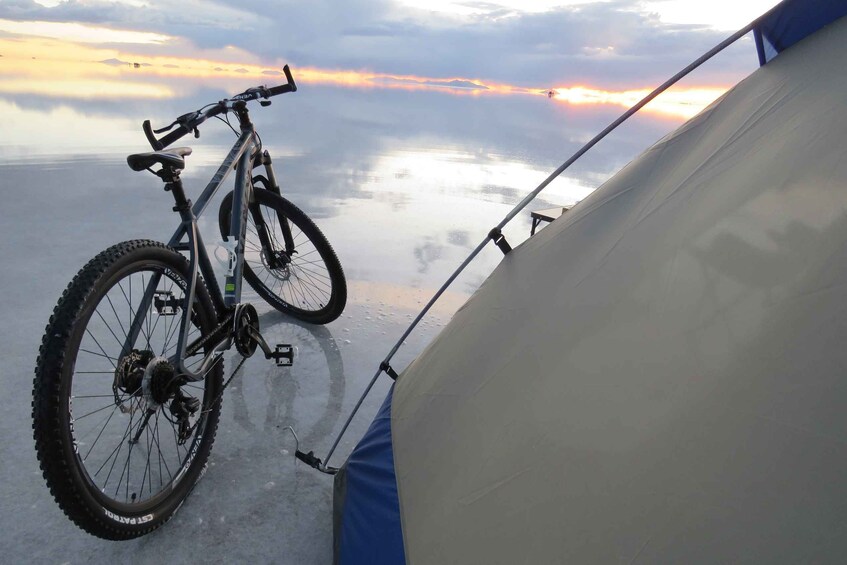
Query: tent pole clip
[[314, 462], [309, 458], [388, 370], [499, 240]]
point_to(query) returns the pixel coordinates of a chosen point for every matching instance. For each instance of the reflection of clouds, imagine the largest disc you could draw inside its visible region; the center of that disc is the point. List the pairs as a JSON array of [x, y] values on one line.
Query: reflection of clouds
[[337, 143], [427, 253], [460, 238], [510, 195], [399, 182]]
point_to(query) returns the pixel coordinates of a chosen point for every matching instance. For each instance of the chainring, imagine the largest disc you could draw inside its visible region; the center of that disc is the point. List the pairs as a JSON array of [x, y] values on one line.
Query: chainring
[[246, 319]]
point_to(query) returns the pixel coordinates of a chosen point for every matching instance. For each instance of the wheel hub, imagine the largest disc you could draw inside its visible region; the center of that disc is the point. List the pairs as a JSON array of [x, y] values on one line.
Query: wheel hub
[[281, 269], [129, 373]]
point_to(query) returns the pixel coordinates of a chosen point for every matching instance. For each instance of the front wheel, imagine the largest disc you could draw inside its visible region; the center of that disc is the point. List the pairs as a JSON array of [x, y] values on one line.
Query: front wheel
[[121, 441], [295, 268]]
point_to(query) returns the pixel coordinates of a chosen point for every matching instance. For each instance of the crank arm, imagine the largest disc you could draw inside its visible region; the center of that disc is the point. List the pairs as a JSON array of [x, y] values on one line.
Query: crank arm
[[283, 354]]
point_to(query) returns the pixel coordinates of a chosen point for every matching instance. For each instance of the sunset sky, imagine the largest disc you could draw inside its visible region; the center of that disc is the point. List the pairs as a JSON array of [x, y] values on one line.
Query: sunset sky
[[587, 52]]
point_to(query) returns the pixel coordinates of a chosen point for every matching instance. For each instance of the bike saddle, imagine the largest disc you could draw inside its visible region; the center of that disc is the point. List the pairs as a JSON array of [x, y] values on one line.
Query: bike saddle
[[172, 158]]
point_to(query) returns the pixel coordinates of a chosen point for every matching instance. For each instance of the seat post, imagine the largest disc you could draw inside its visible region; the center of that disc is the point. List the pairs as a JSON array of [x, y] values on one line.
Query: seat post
[[173, 184]]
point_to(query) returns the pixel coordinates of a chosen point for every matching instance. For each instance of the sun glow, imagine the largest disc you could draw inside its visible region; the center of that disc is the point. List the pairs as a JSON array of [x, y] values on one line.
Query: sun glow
[[55, 68], [681, 103]]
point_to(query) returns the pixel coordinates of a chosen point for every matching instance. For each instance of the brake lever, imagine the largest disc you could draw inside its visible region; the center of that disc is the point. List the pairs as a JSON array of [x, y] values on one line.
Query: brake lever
[[168, 127]]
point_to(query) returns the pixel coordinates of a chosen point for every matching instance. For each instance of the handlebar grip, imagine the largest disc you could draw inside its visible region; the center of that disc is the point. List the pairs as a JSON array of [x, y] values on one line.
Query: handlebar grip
[[148, 132], [173, 136], [289, 78], [283, 88]]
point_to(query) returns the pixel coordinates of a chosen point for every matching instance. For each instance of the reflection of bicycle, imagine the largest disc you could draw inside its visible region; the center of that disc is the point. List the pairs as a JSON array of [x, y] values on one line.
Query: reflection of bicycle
[[129, 376], [317, 380]]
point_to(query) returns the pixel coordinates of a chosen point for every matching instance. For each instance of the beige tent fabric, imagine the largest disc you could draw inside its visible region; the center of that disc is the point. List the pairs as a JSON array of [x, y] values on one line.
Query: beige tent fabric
[[659, 376]]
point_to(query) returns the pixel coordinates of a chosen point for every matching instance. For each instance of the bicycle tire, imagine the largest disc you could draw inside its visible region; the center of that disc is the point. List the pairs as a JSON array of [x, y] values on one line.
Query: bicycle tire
[[66, 446], [311, 290]]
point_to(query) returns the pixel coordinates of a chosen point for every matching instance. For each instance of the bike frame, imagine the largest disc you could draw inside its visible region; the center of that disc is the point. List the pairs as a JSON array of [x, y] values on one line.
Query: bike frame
[[244, 156]]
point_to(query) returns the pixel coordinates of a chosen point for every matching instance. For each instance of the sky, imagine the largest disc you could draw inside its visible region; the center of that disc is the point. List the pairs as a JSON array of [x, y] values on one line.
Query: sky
[[587, 52]]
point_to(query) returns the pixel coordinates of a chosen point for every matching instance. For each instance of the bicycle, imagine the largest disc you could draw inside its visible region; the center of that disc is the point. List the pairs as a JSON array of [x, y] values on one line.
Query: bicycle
[[131, 362]]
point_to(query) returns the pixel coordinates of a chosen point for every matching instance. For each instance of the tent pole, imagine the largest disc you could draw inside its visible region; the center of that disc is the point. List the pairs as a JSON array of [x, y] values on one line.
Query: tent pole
[[400, 341], [531, 196]]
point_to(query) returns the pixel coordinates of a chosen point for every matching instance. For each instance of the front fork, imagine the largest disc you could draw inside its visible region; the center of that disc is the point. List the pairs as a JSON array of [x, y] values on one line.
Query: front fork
[[274, 261]]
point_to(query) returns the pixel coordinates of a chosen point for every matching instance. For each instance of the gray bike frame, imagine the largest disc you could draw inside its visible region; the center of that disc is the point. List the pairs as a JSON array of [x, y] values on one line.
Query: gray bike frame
[[242, 157]]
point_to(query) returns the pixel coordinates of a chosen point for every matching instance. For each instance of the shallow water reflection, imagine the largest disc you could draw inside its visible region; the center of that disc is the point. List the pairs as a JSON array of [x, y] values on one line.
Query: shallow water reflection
[[404, 184]]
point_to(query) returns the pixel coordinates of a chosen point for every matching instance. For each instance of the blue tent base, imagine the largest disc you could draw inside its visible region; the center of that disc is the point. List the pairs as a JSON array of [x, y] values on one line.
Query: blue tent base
[[366, 506], [792, 21]]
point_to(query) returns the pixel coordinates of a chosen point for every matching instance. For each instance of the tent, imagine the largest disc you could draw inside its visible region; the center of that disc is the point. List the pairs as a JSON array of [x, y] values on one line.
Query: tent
[[658, 375]]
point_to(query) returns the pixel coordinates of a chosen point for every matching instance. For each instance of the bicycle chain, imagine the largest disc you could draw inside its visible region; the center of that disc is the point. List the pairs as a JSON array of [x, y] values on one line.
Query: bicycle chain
[[196, 346]]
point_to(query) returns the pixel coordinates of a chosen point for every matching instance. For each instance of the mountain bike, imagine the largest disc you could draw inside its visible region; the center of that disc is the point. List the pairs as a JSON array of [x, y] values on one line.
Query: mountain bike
[[129, 377]]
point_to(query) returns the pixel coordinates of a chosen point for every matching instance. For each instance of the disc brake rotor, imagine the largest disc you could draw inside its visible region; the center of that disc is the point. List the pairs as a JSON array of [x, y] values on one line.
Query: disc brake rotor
[[280, 273]]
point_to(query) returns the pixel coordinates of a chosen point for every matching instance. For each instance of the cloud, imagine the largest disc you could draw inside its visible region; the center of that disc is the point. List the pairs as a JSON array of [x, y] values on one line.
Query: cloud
[[614, 44]]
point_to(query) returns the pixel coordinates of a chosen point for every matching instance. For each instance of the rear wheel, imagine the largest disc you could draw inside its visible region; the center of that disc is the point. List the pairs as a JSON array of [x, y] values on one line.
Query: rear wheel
[[296, 271], [120, 441]]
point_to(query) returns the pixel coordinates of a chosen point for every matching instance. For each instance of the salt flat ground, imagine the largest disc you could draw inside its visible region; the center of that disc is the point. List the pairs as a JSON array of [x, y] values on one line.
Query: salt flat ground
[[403, 184], [255, 503]]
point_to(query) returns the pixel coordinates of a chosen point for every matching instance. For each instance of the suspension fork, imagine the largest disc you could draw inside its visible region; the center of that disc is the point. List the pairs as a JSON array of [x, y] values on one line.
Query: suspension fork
[[273, 186]]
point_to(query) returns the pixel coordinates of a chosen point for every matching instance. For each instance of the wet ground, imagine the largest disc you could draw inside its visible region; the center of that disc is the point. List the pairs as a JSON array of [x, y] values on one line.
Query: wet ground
[[255, 503], [404, 185]]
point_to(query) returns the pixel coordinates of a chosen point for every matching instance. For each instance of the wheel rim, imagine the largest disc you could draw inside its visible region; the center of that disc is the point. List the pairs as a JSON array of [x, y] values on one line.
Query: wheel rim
[[109, 405], [304, 281]]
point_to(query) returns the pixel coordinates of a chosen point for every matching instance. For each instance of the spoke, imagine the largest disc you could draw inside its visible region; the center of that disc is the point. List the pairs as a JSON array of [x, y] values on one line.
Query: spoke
[[159, 451], [98, 410], [169, 331], [299, 255], [147, 475], [173, 332], [315, 293], [116, 453], [112, 359], [108, 327], [90, 449], [307, 288], [320, 276], [311, 291], [118, 318], [103, 351], [127, 466], [176, 445], [188, 340], [169, 325], [319, 262], [292, 287], [146, 320], [156, 324], [129, 301]]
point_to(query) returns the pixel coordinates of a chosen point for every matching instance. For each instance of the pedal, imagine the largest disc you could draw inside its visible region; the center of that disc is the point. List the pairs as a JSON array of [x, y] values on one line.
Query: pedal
[[283, 354], [166, 303]]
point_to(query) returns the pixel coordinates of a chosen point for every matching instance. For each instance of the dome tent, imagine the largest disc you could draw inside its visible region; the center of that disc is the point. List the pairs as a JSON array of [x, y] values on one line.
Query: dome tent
[[657, 376]]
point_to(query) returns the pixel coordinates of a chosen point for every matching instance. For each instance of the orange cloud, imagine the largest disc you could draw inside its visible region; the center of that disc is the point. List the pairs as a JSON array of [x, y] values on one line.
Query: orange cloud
[[52, 67]]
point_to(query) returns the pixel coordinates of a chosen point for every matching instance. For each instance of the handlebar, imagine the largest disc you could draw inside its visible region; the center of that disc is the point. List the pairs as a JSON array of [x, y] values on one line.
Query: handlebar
[[188, 123]]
